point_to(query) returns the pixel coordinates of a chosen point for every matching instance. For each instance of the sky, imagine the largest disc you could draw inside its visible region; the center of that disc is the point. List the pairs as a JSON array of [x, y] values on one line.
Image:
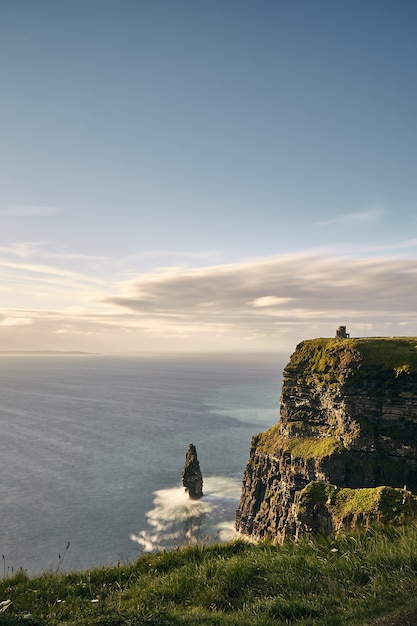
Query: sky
[[183, 175]]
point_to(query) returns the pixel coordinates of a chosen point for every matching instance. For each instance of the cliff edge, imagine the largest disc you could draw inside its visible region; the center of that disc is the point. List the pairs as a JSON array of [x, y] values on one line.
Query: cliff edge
[[344, 452]]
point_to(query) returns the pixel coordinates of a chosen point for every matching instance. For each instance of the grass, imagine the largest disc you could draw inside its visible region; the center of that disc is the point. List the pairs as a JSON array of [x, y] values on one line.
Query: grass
[[331, 360], [369, 500], [347, 580], [395, 353], [374, 506], [272, 441], [326, 359]]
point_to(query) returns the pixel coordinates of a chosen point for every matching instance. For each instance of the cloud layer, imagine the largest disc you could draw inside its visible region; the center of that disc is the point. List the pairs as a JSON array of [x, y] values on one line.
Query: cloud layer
[[262, 304], [265, 297]]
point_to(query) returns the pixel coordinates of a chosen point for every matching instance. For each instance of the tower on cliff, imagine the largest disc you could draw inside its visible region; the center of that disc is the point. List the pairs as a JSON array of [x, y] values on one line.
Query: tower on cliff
[[341, 333]]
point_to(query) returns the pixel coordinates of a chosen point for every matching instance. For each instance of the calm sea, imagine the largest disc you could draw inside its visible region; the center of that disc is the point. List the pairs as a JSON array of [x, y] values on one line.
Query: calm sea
[[92, 449]]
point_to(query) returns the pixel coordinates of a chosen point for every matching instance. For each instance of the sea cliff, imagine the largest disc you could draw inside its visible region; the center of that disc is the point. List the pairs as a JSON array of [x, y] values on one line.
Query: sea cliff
[[344, 452]]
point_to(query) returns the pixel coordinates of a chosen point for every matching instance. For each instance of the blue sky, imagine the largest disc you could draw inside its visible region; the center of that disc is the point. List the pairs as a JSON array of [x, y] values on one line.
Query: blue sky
[[223, 175]]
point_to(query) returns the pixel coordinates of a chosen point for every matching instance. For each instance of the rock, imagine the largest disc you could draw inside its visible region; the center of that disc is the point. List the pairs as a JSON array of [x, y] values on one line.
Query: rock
[[192, 478], [326, 509], [348, 426]]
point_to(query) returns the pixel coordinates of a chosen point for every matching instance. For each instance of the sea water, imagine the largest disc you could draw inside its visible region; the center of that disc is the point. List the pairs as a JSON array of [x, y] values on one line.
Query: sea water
[[92, 449]]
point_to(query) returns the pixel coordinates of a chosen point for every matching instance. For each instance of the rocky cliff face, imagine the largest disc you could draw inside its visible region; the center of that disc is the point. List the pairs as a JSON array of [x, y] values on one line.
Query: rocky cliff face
[[348, 421], [192, 478]]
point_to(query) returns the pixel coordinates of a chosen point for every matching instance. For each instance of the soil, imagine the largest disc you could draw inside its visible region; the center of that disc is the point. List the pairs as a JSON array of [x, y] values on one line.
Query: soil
[[404, 617]]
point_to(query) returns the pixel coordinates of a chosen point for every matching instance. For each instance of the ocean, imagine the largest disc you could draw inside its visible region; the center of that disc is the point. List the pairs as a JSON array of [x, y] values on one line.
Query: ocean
[[92, 450]]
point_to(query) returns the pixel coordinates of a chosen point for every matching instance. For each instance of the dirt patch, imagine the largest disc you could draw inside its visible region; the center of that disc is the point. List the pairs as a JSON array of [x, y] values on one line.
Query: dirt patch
[[403, 617]]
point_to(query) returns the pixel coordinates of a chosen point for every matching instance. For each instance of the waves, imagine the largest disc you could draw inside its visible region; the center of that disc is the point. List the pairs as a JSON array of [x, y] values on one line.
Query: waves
[[92, 452], [175, 520]]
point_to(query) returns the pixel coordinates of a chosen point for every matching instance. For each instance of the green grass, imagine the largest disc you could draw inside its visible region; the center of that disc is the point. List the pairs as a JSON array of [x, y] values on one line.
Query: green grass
[[271, 441], [367, 500], [396, 353], [376, 506], [349, 580], [327, 359], [332, 359]]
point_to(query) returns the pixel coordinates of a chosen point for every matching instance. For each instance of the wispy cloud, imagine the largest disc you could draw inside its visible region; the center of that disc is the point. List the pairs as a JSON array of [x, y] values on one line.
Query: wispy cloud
[[28, 210], [271, 301], [262, 294], [50, 270], [370, 216], [267, 304], [401, 245], [206, 255], [35, 251], [15, 321], [22, 249]]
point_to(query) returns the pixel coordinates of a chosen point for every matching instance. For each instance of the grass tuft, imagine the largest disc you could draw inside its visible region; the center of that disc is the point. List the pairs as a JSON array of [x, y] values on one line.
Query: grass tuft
[[273, 442], [332, 581]]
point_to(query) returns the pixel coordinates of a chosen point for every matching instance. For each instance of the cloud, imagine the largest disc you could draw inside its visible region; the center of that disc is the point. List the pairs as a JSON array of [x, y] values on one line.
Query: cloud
[[28, 210], [264, 295], [49, 270], [22, 249], [260, 304], [205, 255], [270, 301], [370, 216], [15, 321]]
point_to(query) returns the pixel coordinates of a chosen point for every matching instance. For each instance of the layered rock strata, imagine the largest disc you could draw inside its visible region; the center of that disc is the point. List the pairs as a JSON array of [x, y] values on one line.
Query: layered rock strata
[[192, 478], [348, 420]]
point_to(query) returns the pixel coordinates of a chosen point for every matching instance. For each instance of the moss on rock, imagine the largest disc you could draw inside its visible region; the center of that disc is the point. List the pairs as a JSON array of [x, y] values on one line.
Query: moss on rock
[[334, 359], [348, 419], [353, 508], [273, 442]]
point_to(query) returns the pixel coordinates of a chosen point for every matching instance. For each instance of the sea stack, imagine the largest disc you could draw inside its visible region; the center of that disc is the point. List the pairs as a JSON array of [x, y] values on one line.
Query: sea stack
[[192, 478]]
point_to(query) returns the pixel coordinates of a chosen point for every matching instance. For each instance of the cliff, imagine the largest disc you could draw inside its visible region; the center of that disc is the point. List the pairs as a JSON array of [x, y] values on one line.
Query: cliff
[[348, 427]]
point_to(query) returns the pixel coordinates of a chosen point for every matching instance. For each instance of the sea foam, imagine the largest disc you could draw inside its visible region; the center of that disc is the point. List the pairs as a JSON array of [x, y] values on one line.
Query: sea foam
[[175, 520]]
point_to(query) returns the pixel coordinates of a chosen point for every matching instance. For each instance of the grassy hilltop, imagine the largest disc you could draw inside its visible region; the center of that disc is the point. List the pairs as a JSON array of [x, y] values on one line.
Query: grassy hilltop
[[355, 579], [328, 355], [325, 361]]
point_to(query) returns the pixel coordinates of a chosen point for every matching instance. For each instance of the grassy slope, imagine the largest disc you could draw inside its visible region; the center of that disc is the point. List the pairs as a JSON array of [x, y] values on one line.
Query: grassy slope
[[349, 580], [322, 355]]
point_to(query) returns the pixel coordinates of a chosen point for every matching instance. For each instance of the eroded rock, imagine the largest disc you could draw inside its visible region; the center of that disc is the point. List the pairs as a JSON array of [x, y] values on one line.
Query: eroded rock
[[348, 418], [192, 478]]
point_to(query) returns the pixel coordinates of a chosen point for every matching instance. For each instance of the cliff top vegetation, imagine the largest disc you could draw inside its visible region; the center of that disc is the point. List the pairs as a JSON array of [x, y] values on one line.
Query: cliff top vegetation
[[334, 358], [273, 442], [330, 363], [384, 505]]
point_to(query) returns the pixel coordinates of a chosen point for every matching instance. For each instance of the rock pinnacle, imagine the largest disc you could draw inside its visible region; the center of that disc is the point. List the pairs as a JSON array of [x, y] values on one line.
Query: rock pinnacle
[[192, 478]]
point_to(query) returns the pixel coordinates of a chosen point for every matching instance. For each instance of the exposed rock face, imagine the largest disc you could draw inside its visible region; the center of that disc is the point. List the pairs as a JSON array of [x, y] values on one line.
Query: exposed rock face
[[348, 420], [326, 509], [192, 478]]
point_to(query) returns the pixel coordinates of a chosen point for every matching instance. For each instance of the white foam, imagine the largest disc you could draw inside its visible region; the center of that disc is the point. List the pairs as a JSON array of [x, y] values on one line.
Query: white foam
[[176, 520]]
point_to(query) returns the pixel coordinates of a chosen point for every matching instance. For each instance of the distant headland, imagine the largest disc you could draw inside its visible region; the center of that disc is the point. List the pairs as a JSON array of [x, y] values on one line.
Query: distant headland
[[45, 352]]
